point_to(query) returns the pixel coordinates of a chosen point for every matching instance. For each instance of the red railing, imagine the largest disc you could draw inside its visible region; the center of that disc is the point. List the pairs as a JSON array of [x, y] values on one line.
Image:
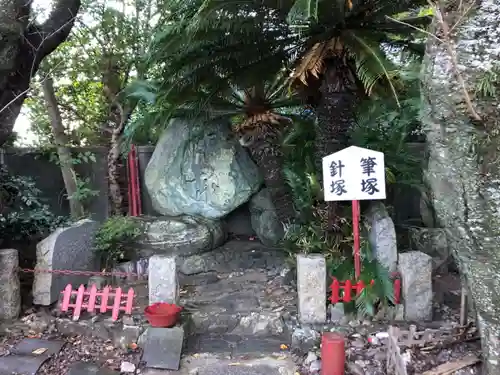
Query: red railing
[[342, 290], [93, 300]]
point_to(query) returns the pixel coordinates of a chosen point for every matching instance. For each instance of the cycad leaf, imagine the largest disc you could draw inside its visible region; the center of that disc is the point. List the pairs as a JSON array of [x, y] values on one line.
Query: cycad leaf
[[302, 11], [372, 65]]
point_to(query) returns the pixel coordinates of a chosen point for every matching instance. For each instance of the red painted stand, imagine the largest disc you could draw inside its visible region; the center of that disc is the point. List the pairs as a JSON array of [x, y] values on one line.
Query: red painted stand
[[355, 231], [333, 344], [332, 354]]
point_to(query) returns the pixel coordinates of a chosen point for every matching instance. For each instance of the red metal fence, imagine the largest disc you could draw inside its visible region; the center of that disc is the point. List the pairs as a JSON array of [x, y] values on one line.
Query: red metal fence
[[342, 290], [92, 300]]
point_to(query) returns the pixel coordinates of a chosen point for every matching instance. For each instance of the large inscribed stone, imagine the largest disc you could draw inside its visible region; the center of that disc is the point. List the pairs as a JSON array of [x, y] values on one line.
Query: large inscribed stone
[[199, 169], [69, 248]]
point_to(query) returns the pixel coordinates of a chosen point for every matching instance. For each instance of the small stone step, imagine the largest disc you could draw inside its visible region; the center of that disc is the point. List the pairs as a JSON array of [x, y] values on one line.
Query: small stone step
[[234, 255], [254, 302], [232, 355], [82, 368], [260, 324], [235, 346]]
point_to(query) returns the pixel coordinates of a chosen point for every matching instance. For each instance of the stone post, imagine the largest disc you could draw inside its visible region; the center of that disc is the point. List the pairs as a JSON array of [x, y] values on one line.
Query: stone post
[[10, 289], [163, 280], [415, 268], [311, 287]]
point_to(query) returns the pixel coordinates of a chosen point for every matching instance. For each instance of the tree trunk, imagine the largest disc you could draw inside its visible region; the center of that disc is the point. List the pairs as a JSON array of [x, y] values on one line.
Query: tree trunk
[[24, 44], [62, 141], [336, 115], [464, 166], [113, 173], [265, 150]]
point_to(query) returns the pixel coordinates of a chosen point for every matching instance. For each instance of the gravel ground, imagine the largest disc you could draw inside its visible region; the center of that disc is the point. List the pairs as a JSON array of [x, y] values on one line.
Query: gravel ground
[[77, 348]]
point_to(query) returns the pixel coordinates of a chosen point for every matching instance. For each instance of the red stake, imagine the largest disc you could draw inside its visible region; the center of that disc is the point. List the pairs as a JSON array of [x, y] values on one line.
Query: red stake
[[355, 232]]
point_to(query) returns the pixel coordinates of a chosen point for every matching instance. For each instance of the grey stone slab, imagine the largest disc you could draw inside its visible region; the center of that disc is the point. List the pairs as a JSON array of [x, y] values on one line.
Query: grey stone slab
[[82, 368], [69, 248], [211, 344], [311, 288], [163, 280], [10, 288], [163, 348], [21, 364], [258, 346], [239, 370], [415, 268], [30, 347], [382, 236]]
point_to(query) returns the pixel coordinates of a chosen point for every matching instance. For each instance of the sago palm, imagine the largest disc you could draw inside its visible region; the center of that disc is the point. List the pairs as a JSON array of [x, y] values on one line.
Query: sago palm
[[335, 54]]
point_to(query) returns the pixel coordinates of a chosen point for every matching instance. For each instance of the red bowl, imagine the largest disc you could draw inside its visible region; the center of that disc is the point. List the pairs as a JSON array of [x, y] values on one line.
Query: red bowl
[[162, 314]]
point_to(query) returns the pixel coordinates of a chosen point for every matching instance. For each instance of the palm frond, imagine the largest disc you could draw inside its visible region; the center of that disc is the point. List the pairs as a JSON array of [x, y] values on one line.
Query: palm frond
[[371, 65]]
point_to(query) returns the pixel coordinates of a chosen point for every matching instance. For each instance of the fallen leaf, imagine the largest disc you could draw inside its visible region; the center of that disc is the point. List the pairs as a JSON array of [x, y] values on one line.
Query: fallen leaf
[[39, 351], [283, 347]]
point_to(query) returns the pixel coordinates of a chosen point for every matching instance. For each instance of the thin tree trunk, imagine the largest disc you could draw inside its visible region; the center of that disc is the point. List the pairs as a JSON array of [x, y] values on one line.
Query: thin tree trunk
[[336, 115], [62, 141], [265, 150], [113, 173]]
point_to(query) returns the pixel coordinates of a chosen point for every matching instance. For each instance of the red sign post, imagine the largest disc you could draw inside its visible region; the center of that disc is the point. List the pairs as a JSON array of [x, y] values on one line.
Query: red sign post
[[354, 174]]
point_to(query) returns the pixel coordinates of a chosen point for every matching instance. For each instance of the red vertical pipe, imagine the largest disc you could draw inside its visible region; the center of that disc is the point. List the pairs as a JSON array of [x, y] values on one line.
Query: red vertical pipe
[[332, 354], [134, 168], [137, 182], [347, 291], [129, 186], [355, 231], [397, 291], [335, 287]]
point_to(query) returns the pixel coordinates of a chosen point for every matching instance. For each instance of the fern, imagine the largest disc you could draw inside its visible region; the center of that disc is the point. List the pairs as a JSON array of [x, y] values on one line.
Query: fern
[[379, 294]]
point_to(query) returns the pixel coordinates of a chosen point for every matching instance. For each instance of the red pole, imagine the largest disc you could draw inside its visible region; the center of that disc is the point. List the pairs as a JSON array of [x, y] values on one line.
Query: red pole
[[137, 182], [332, 354], [355, 232], [130, 187]]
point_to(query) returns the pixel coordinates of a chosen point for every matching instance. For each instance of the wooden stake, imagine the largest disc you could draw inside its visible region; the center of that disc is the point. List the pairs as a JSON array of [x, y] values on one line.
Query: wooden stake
[[450, 367], [464, 307]]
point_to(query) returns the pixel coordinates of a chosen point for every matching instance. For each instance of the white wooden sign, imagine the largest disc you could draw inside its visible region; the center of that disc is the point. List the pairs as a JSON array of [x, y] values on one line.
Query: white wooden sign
[[354, 173]]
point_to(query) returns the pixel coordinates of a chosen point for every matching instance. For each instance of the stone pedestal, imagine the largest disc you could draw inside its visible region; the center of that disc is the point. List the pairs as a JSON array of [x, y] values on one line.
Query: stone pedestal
[[10, 289], [311, 287], [69, 248]]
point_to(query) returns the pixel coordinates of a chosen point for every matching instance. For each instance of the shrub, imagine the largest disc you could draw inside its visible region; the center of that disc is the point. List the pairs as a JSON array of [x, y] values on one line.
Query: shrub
[[113, 236], [23, 214]]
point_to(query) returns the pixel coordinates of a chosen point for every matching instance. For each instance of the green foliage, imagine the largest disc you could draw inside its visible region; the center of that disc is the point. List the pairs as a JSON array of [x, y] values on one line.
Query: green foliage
[[104, 49], [383, 127], [113, 236], [23, 213], [381, 293], [84, 192], [487, 84], [311, 237], [299, 167]]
